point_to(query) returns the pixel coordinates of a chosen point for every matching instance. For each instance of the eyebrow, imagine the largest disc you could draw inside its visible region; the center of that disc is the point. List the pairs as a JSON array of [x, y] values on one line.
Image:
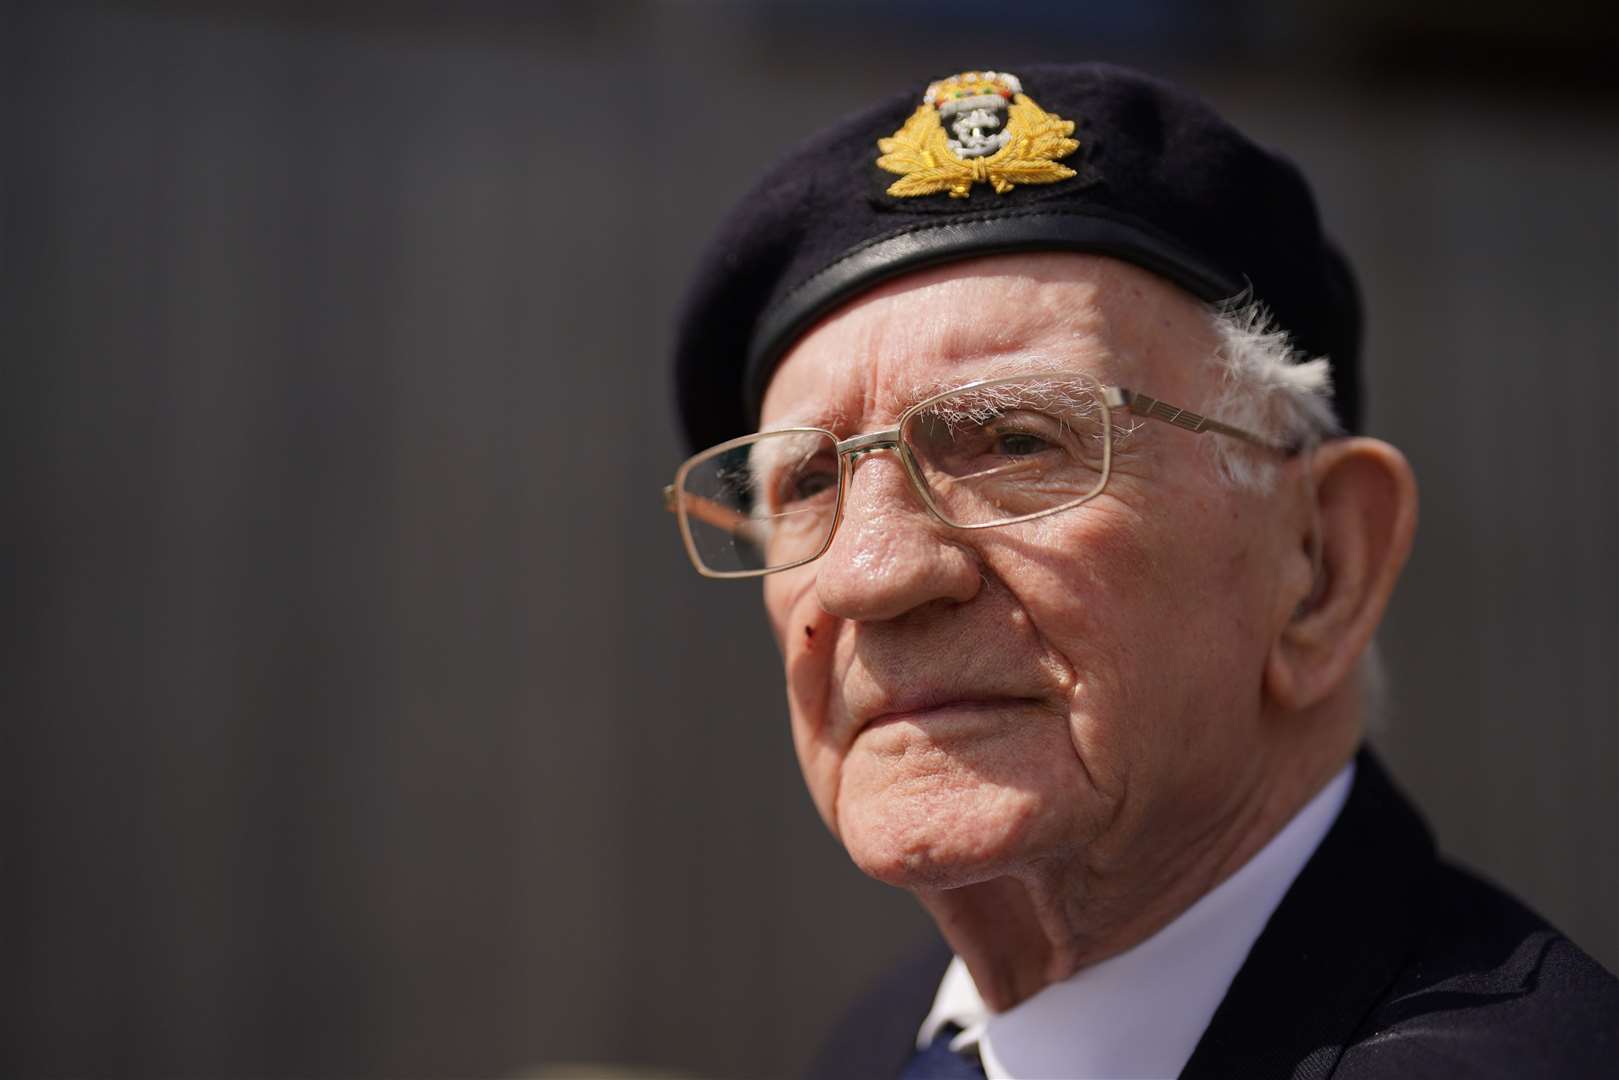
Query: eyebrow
[[832, 416], [1003, 368], [828, 416]]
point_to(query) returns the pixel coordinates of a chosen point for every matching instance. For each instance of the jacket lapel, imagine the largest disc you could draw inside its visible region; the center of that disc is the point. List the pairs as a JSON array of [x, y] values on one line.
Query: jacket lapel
[[1333, 946], [878, 1035]]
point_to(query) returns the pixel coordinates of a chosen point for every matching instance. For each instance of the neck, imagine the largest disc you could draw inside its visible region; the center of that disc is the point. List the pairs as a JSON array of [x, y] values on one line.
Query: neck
[[1023, 931]]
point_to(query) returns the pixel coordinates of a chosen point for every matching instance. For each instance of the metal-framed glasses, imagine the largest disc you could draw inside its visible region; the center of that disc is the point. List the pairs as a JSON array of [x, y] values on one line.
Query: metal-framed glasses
[[991, 453]]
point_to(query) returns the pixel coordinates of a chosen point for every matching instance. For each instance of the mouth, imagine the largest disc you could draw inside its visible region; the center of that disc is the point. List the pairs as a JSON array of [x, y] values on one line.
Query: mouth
[[946, 710]]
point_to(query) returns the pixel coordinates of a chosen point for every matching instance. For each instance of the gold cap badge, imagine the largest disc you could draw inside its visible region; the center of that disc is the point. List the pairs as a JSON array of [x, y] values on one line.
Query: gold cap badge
[[997, 136]]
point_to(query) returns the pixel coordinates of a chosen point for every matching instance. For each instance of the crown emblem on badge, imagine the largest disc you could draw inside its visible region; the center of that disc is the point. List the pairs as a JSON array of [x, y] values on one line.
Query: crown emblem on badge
[[996, 135]]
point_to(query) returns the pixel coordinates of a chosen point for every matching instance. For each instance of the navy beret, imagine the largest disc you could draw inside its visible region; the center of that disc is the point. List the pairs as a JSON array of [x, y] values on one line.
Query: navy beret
[[1157, 179]]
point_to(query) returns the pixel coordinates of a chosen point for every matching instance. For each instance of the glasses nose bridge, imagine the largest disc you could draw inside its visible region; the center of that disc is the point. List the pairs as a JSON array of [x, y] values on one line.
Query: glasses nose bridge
[[857, 445], [852, 449]]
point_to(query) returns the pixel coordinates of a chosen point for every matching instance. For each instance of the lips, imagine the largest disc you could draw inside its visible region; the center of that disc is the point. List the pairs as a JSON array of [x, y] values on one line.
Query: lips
[[921, 706], [919, 669]]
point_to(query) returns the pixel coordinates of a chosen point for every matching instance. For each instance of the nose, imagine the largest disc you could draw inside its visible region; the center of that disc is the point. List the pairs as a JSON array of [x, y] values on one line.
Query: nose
[[889, 555]]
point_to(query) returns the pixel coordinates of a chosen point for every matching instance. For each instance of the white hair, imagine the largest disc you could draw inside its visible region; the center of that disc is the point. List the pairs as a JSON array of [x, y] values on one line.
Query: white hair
[[1267, 386], [1372, 672], [1271, 388]]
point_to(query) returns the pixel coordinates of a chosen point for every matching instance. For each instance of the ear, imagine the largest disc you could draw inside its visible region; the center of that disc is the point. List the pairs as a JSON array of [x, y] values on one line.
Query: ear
[[1363, 519]]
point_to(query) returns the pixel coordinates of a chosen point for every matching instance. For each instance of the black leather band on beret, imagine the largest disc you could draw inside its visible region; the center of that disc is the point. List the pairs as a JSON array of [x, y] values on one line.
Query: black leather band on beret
[[933, 242], [1147, 173]]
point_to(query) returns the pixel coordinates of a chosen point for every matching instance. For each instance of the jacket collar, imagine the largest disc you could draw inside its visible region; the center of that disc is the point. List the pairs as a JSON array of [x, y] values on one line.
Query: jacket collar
[[1333, 946]]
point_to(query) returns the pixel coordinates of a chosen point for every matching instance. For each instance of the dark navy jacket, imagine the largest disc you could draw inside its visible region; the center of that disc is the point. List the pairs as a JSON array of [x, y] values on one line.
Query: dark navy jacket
[[1381, 961]]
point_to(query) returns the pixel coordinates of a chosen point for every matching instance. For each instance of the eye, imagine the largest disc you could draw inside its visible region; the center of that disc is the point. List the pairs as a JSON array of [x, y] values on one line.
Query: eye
[[808, 484], [1019, 443], [810, 481]]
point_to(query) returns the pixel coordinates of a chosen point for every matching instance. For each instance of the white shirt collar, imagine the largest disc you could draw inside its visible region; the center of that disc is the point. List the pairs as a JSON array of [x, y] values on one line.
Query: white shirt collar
[[1140, 1013]]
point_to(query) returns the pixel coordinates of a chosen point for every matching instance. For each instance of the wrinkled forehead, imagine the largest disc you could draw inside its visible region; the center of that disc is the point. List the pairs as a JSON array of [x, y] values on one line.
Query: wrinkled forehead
[[989, 318]]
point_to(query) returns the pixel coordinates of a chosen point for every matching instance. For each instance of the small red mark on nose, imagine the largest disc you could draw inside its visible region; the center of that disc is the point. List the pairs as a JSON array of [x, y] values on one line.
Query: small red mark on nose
[[809, 631]]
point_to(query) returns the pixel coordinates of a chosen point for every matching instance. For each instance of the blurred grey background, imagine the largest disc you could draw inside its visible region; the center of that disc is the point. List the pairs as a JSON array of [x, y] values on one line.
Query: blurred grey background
[[363, 716]]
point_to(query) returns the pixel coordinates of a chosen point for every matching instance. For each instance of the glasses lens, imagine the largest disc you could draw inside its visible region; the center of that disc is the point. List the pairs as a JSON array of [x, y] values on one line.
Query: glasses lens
[[763, 503], [1005, 450]]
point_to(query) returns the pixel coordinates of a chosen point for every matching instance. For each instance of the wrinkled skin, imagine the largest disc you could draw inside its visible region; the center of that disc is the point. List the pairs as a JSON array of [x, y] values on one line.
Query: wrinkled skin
[[1059, 733]]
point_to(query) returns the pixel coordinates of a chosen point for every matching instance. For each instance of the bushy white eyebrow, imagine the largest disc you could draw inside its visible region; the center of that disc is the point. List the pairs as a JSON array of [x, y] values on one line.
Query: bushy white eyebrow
[[836, 418], [1006, 367], [767, 459], [1063, 397], [827, 416]]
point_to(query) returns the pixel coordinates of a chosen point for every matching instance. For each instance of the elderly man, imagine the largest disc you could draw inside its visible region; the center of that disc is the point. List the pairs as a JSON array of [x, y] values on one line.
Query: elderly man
[[1031, 394]]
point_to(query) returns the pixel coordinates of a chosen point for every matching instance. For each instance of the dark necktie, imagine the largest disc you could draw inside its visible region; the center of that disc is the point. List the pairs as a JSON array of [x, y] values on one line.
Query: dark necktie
[[936, 1061]]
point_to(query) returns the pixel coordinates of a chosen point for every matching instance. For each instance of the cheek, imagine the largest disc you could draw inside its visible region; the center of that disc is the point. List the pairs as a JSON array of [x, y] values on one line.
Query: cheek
[[1086, 586], [1152, 618], [806, 637], [1092, 601], [1129, 586]]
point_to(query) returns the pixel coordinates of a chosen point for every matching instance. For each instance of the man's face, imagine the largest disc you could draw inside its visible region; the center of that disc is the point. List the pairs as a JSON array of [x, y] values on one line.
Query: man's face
[[966, 704]]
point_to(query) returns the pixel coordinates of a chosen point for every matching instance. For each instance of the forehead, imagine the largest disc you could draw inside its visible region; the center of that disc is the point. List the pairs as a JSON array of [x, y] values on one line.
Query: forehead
[[987, 318]]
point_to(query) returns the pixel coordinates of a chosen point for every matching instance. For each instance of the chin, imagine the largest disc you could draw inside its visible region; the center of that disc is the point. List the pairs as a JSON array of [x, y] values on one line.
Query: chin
[[939, 834], [953, 799]]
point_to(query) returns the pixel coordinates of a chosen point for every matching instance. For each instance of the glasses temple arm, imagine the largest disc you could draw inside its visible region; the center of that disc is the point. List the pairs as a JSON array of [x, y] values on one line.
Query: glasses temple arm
[[1140, 404], [706, 510]]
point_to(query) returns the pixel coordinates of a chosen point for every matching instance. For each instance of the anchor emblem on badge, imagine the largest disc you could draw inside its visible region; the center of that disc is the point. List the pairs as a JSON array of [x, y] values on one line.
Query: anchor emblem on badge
[[976, 127]]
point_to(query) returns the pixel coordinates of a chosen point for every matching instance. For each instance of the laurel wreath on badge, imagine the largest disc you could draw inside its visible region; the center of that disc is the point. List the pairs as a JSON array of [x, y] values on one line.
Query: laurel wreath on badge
[[1002, 138]]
